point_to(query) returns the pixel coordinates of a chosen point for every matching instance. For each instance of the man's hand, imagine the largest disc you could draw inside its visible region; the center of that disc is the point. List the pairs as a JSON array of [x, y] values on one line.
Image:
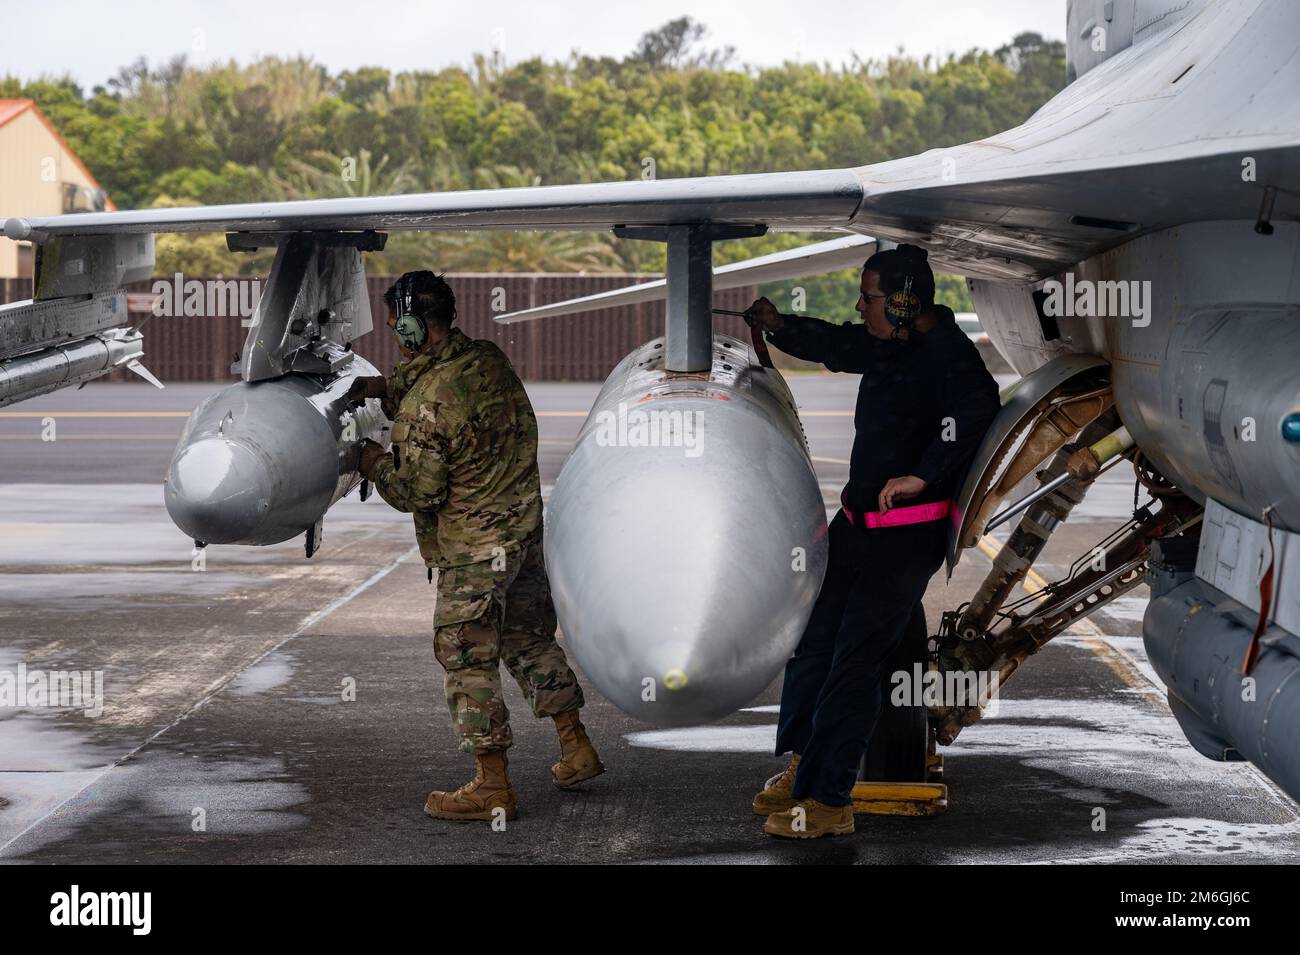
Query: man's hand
[[371, 386], [370, 453], [763, 314], [898, 489]]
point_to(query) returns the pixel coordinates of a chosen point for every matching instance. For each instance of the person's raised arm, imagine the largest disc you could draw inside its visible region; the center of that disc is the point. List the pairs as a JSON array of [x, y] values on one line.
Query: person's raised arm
[[849, 347]]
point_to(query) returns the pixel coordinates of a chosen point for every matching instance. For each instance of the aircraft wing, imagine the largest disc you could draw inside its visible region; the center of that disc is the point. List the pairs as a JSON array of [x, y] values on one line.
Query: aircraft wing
[[810, 201], [1195, 121], [821, 257]]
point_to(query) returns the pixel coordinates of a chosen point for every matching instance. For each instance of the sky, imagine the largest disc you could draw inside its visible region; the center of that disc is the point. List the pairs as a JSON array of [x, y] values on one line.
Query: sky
[[54, 37]]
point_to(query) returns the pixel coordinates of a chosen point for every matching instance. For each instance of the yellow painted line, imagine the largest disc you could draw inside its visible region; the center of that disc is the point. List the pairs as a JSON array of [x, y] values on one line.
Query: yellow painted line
[[830, 460], [1112, 657], [991, 546], [94, 414], [1032, 577], [1115, 658], [1034, 582]]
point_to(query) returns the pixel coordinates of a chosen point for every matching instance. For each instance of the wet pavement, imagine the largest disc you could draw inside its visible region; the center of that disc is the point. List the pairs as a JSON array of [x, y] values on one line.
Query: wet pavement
[[260, 707]]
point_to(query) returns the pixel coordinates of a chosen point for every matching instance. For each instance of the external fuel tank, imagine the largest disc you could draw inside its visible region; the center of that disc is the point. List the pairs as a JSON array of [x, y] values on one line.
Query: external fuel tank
[[686, 535]]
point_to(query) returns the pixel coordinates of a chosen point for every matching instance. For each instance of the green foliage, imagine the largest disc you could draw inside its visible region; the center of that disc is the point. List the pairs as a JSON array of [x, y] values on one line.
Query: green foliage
[[285, 128], [833, 296], [952, 290]]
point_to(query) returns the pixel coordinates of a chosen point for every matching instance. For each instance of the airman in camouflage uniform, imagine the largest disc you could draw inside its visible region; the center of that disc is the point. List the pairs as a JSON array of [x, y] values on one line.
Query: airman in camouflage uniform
[[463, 462]]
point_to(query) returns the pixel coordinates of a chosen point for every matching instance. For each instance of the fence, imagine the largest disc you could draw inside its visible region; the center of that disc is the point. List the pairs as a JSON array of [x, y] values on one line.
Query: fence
[[567, 348]]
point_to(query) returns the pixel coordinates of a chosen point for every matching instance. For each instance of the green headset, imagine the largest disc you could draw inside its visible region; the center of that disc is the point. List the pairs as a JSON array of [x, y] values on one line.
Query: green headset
[[412, 329]]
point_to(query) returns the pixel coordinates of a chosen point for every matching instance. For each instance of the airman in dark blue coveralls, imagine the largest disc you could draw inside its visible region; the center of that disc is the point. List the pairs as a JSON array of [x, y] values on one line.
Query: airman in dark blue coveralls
[[923, 407]]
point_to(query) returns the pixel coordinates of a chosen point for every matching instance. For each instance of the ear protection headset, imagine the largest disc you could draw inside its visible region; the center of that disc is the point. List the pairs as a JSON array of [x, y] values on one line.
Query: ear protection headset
[[903, 306], [412, 329]]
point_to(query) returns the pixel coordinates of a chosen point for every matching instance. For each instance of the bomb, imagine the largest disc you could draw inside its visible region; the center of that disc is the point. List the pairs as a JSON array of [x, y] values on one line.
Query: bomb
[[261, 462]]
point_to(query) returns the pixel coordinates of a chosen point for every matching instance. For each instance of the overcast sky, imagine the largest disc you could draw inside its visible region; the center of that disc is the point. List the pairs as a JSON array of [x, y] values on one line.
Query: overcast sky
[[91, 40]]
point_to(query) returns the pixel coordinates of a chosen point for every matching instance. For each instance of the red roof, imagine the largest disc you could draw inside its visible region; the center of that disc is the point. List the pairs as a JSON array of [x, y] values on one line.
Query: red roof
[[9, 108], [12, 108]]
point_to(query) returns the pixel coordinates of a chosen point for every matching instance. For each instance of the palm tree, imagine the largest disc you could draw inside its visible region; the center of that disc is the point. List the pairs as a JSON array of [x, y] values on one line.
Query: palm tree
[[321, 176], [503, 251]]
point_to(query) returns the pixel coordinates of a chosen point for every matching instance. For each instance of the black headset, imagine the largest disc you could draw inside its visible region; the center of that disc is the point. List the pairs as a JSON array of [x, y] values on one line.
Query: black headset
[[404, 296], [903, 307]]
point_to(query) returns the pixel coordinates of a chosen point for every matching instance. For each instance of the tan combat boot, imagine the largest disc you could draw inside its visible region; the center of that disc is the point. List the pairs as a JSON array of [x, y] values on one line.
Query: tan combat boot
[[776, 795], [489, 790], [809, 819], [578, 759]]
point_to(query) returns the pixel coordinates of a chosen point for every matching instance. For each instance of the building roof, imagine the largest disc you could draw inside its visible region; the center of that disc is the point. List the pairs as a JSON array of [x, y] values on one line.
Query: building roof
[[9, 108], [12, 108]]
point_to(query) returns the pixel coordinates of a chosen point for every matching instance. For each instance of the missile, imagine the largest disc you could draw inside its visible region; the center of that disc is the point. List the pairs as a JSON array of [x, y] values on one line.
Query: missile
[[686, 536], [77, 362], [261, 462]]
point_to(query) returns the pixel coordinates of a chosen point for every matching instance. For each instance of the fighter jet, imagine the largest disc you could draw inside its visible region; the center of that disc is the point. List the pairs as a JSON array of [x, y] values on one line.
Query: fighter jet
[[1133, 251]]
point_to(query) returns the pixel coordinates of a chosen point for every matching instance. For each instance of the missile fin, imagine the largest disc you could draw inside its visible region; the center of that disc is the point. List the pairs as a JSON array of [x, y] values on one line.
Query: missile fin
[[145, 373]]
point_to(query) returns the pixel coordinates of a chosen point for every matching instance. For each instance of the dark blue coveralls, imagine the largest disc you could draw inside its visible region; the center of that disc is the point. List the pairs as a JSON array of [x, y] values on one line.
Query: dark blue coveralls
[[913, 395]]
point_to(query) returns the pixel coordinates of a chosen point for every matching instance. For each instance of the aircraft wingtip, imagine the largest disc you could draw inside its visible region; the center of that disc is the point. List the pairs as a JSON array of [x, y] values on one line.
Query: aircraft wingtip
[[17, 228]]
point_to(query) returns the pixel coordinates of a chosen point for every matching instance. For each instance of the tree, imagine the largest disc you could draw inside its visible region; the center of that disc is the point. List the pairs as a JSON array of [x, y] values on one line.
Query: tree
[[322, 175], [670, 46], [282, 128]]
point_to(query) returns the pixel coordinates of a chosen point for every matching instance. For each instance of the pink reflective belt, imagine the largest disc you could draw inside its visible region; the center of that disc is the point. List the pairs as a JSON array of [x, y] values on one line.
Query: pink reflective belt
[[916, 514]]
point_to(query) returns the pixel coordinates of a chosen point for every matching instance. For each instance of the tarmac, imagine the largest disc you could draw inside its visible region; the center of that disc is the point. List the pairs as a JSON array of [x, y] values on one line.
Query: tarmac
[[259, 707]]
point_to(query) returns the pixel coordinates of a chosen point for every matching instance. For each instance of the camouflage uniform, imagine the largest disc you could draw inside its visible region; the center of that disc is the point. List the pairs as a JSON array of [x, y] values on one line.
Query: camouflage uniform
[[464, 464]]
